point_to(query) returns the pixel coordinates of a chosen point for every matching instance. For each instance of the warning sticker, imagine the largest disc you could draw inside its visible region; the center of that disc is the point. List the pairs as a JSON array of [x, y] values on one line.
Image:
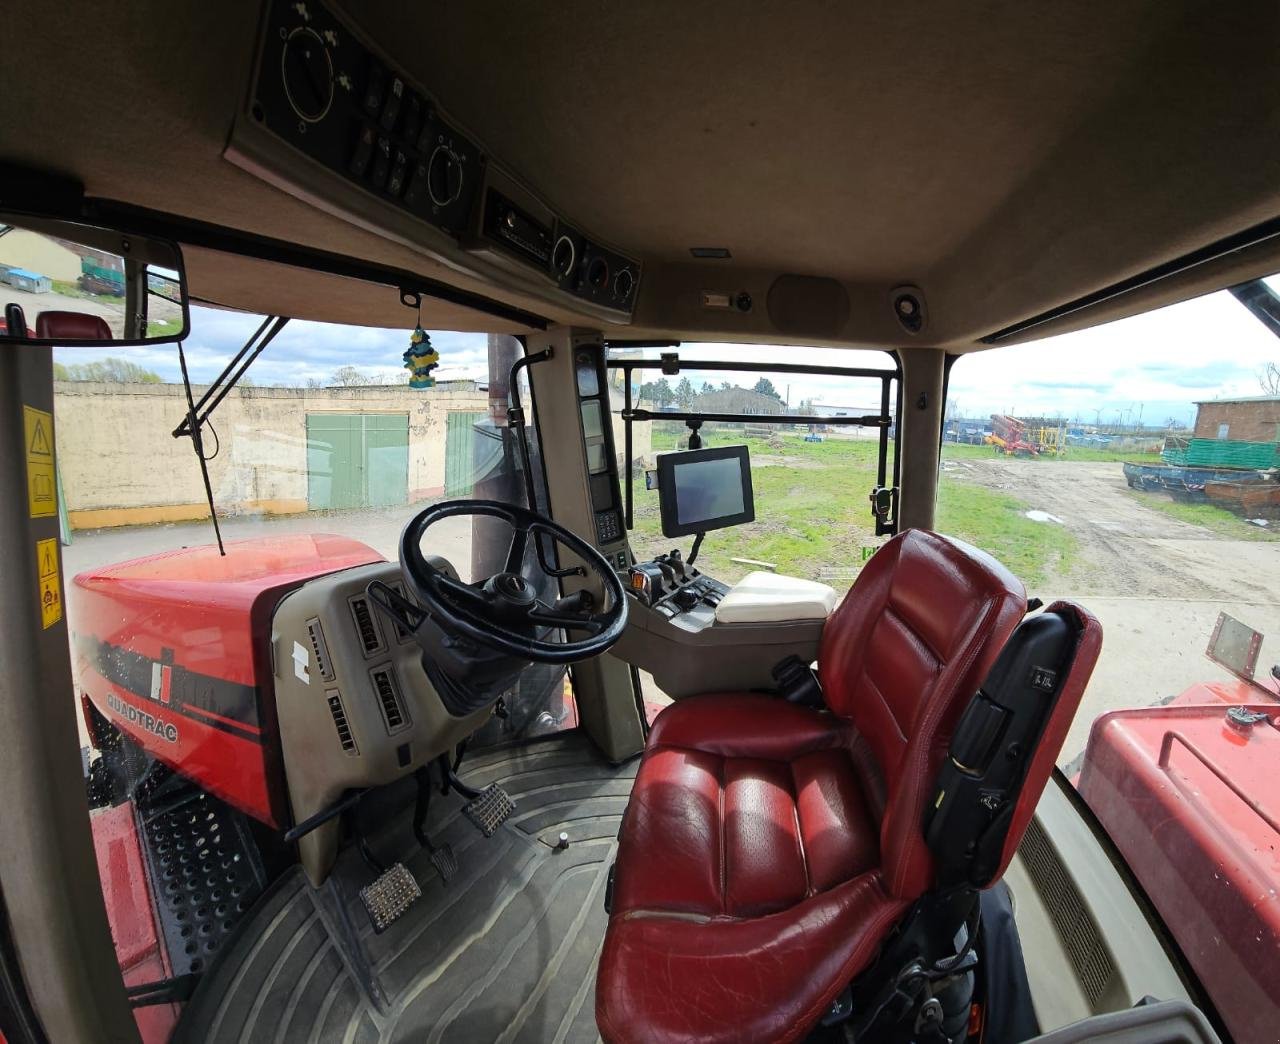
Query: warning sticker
[[50, 586], [42, 496]]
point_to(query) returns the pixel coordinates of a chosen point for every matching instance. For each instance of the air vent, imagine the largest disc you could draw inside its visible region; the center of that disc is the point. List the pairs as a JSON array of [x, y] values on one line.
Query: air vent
[[347, 740], [370, 639], [1075, 926], [315, 634], [393, 712]]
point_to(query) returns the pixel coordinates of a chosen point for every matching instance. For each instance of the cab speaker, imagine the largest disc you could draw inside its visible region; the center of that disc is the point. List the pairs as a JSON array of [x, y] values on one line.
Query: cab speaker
[[808, 306], [909, 308]]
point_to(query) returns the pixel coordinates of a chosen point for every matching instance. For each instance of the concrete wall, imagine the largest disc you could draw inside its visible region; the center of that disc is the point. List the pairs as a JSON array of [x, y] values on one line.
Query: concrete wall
[[1256, 421], [120, 464], [37, 253]]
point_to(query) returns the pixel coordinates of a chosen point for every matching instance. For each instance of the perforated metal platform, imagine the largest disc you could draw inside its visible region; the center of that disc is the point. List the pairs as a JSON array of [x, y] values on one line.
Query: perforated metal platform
[[506, 951], [204, 871]]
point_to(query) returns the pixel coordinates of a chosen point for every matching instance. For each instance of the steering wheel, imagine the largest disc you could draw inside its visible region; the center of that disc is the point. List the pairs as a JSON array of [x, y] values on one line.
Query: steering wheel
[[504, 612]]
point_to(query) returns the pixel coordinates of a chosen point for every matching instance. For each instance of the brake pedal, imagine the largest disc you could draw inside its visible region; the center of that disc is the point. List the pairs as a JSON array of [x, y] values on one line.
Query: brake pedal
[[489, 809], [445, 862], [388, 897]]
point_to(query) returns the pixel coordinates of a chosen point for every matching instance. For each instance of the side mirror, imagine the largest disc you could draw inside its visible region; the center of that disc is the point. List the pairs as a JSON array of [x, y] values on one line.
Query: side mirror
[[70, 284]]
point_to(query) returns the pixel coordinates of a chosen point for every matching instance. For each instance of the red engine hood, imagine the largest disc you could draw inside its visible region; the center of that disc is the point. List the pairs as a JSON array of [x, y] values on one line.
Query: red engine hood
[[1192, 804], [174, 650]]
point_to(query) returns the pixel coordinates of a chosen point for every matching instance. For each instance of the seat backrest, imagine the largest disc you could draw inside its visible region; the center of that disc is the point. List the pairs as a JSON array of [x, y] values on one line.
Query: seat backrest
[[74, 326], [901, 657]]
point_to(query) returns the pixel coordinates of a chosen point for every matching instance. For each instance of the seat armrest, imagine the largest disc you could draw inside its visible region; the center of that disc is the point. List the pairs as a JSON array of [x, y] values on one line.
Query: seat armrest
[[762, 597]]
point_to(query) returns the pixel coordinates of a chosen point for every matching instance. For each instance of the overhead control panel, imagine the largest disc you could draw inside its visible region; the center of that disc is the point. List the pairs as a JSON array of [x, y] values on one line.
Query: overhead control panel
[[331, 120], [337, 102]]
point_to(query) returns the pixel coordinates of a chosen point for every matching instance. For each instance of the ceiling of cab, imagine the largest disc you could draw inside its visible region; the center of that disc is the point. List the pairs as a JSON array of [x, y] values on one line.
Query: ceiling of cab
[[1005, 158]]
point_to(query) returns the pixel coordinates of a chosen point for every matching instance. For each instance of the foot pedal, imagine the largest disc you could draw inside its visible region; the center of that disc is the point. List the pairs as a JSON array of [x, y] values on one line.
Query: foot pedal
[[445, 862], [489, 809], [389, 896]]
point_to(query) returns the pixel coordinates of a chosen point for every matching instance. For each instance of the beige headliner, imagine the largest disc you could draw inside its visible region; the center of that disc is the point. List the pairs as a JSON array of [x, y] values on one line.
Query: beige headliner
[[1006, 157]]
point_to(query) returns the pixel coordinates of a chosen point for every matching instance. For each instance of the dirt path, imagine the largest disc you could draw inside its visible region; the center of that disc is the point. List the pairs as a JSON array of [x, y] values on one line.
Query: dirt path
[[1156, 583]]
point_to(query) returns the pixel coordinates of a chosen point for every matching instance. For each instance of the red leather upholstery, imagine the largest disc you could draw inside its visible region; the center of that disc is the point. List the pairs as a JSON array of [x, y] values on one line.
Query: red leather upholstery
[[901, 657], [768, 849], [72, 326]]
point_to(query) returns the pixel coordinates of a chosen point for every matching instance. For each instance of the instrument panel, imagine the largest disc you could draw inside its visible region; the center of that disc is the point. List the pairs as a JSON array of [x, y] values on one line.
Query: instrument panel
[[405, 169]]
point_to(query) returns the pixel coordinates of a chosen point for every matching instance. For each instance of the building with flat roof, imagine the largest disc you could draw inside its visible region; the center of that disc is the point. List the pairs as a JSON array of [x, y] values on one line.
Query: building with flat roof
[[1254, 418]]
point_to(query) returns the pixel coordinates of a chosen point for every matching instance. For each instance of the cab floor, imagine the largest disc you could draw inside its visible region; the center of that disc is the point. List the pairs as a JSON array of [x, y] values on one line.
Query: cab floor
[[506, 951]]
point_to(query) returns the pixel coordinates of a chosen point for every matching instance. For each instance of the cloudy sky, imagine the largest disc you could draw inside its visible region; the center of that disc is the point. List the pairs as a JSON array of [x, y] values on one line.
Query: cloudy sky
[[1154, 366]]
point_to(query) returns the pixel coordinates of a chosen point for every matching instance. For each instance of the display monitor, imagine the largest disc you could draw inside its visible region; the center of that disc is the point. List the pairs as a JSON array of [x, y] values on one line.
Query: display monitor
[[705, 489]]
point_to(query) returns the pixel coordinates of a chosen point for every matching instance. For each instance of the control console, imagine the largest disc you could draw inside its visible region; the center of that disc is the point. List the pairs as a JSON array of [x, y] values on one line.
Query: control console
[[671, 586]]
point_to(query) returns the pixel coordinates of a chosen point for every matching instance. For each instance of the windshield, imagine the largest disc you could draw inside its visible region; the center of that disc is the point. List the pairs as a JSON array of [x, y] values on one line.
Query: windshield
[[818, 443], [1133, 466]]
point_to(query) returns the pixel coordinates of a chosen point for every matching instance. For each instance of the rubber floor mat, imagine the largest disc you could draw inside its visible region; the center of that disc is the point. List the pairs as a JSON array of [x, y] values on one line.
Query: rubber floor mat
[[506, 951]]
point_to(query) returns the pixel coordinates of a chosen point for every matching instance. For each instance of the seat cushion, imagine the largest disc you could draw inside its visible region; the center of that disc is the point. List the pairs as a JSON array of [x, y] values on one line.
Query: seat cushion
[[752, 829]]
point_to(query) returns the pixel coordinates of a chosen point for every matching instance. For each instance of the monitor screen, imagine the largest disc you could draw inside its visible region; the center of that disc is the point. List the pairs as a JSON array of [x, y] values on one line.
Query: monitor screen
[[705, 489]]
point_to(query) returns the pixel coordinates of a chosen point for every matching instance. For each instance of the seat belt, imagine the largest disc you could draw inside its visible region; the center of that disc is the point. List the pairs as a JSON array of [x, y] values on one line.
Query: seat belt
[[797, 682]]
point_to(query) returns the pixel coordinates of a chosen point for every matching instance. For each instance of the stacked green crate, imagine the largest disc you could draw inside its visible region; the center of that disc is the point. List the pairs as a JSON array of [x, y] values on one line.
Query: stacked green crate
[[1225, 453]]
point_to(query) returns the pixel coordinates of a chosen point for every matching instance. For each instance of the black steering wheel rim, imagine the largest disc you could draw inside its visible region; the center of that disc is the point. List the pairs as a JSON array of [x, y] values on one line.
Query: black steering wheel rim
[[440, 595]]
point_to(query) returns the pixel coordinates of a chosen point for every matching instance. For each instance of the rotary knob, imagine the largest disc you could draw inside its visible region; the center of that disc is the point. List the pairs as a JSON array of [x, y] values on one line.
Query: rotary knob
[[444, 176], [306, 68]]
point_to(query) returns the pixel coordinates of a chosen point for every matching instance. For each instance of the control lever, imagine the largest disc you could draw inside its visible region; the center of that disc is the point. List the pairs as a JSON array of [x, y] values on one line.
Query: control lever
[[686, 598]]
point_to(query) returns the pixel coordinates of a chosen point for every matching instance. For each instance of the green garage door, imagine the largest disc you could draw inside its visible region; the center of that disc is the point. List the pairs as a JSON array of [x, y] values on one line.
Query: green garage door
[[357, 460], [460, 470]]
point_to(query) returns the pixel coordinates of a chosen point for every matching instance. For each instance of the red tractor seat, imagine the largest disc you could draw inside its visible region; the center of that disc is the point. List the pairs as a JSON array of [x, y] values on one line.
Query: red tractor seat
[[769, 848], [72, 326]]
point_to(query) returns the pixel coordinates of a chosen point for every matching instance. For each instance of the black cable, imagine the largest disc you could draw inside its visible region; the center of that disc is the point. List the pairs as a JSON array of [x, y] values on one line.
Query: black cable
[[217, 447], [197, 443]]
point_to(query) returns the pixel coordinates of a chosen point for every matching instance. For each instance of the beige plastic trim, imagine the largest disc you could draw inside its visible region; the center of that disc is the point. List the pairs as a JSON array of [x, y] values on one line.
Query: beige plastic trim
[[603, 685], [317, 768], [1142, 966], [48, 871], [919, 436], [693, 654]]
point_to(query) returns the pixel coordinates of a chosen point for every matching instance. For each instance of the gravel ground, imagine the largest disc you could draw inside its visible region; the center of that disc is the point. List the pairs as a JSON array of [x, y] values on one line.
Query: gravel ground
[[1156, 583]]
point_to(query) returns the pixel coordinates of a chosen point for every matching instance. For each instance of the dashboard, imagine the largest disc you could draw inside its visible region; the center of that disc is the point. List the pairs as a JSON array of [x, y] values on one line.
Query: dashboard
[[330, 119], [354, 705]]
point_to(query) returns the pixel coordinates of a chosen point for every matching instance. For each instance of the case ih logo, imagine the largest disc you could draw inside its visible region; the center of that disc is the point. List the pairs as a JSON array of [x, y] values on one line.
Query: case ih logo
[[162, 677], [156, 726]]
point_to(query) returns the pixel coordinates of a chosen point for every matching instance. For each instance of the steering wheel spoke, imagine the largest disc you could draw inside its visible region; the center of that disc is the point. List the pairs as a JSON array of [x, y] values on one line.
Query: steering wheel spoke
[[569, 620], [504, 612], [515, 554], [472, 598]]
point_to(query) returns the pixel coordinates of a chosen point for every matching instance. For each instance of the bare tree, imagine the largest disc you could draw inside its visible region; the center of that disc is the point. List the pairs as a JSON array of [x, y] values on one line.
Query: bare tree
[[1269, 378], [348, 377]]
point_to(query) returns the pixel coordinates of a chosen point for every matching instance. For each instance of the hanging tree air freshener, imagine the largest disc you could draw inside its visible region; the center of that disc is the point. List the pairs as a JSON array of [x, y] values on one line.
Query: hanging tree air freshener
[[420, 359]]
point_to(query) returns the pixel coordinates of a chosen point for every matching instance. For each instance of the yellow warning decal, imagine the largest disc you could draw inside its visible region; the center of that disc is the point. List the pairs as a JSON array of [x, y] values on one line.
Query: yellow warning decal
[[50, 586], [42, 493]]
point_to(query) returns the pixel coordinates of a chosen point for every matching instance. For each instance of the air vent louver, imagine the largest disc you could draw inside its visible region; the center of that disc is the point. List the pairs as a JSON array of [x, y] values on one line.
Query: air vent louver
[[319, 649], [389, 699], [370, 639], [1077, 929], [347, 740]]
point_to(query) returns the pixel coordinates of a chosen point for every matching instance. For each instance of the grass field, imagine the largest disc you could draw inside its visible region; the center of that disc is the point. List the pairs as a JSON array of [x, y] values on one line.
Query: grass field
[[1210, 516], [813, 518]]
